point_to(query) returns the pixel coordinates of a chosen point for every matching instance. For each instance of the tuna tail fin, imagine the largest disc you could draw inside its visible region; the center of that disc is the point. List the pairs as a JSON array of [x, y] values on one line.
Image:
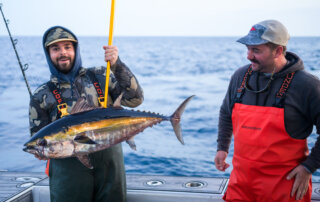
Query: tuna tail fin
[[176, 116]]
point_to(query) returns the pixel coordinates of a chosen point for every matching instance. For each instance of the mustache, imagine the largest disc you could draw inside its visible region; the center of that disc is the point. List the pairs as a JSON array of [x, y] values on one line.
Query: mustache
[[255, 61], [64, 57]]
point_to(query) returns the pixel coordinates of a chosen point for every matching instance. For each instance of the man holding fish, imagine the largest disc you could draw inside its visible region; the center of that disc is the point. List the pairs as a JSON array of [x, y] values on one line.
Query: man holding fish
[[69, 179]]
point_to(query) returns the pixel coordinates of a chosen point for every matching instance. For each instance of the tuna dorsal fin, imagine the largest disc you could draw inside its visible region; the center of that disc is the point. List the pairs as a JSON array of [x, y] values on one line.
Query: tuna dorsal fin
[[131, 143], [81, 106], [84, 159], [82, 138], [117, 103]]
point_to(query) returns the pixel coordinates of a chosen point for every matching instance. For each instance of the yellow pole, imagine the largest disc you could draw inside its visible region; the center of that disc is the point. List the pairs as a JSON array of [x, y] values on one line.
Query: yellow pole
[[108, 63]]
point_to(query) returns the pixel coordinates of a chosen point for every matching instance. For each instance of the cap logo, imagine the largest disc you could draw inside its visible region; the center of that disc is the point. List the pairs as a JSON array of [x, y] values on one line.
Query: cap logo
[[252, 29]]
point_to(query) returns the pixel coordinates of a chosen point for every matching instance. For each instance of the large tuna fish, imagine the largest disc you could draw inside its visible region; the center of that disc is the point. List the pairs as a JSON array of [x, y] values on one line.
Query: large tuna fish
[[91, 130]]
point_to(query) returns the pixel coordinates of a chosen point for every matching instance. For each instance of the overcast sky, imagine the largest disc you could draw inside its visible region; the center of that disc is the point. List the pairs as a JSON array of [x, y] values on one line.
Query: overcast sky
[[160, 17]]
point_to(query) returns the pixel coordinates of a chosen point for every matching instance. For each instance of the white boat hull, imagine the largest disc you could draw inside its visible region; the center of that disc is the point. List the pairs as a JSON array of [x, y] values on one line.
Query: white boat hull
[[24, 186]]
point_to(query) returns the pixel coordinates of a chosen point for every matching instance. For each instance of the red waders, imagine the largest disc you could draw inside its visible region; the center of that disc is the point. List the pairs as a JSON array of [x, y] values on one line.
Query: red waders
[[264, 154]]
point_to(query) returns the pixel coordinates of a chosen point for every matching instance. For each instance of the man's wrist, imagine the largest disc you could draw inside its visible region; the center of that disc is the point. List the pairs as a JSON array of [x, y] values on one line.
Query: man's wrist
[[307, 169], [114, 66]]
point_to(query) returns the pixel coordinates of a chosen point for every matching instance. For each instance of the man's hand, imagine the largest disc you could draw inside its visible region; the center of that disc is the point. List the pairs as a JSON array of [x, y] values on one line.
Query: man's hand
[[220, 160], [110, 54], [301, 182]]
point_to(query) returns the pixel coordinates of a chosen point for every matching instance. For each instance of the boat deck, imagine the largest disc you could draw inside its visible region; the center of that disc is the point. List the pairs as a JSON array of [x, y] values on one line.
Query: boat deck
[[27, 187]]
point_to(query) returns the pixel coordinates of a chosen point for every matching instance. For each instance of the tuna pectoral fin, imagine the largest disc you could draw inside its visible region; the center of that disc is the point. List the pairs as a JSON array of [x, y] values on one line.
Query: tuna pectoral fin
[[84, 139], [84, 159], [132, 144], [176, 116]]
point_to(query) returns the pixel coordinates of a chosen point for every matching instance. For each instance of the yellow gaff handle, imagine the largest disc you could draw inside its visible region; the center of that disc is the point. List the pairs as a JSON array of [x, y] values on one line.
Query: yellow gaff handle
[[109, 44]]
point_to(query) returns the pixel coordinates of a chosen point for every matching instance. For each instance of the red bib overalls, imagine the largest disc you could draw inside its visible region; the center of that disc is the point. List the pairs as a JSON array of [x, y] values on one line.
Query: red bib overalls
[[264, 154]]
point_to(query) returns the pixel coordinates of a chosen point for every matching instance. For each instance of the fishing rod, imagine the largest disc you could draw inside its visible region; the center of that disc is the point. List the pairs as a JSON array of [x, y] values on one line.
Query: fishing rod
[[14, 42], [109, 43]]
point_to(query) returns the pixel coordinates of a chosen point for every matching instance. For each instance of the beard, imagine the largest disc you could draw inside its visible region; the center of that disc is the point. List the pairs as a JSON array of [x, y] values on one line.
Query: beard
[[64, 67], [262, 66]]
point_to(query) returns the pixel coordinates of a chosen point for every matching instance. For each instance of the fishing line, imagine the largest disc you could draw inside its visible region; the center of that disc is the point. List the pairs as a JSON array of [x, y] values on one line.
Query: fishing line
[[14, 42]]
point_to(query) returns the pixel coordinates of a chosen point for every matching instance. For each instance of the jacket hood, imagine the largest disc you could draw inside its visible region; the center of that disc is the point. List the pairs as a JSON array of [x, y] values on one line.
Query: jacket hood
[[294, 64], [70, 76]]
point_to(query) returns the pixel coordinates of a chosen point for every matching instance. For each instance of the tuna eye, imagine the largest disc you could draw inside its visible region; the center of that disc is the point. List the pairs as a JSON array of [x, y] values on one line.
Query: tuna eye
[[41, 142]]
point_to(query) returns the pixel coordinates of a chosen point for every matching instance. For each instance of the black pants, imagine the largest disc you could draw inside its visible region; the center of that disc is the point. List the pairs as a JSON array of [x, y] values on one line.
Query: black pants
[[70, 180]]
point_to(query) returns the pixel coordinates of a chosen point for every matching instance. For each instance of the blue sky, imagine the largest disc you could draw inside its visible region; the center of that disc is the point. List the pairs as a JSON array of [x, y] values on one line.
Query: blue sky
[[160, 17]]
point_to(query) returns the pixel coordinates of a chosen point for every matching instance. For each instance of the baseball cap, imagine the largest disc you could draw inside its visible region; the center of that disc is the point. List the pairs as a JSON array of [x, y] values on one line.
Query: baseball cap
[[266, 31], [58, 34]]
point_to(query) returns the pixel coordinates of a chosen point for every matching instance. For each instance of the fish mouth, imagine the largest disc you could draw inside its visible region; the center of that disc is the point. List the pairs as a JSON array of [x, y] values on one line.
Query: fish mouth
[[28, 148], [34, 150]]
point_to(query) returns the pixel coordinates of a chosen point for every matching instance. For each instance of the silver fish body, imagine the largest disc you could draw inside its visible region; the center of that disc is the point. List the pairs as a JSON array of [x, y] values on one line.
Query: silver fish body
[[86, 132]]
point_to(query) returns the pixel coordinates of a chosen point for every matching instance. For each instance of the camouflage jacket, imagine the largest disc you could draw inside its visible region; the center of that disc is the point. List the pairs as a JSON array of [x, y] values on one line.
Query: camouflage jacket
[[43, 105]]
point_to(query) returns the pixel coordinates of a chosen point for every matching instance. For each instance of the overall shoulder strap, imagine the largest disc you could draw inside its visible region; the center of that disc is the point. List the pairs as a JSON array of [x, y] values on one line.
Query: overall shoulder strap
[[96, 85], [61, 105], [240, 90], [281, 94]]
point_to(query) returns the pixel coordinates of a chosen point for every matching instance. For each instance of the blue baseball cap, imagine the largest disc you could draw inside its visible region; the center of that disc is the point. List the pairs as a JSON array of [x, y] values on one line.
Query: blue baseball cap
[[266, 31]]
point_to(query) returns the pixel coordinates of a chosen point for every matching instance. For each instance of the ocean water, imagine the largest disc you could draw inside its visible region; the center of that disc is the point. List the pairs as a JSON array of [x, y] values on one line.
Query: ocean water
[[169, 69]]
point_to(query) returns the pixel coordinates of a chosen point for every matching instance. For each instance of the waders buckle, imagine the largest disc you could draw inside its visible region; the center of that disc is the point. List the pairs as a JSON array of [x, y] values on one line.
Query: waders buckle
[[101, 100], [63, 109]]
